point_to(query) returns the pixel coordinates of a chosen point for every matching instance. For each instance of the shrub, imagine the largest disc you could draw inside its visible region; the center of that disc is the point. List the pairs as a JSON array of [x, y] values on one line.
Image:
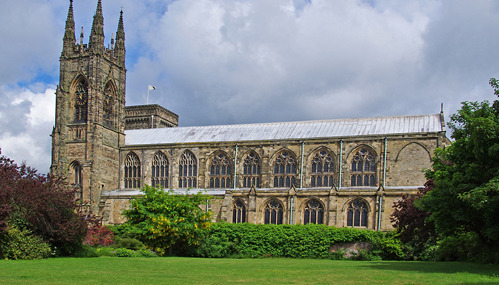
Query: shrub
[[130, 243], [166, 222], [99, 235], [297, 241], [125, 252], [22, 244], [43, 205]]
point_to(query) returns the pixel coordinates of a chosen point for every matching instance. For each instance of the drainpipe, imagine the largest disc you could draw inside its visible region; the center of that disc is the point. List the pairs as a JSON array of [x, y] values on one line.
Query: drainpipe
[[341, 163], [380, 205], [384, 163], [301, 166], [380, 197], [235, 167]]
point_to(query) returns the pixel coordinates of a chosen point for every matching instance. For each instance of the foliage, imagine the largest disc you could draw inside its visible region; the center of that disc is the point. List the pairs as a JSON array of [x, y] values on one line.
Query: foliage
[[466, 176], [296, 241], [99, 235], [42, 205], [22, 244], [130, 243], [414, 229], [165, 222]]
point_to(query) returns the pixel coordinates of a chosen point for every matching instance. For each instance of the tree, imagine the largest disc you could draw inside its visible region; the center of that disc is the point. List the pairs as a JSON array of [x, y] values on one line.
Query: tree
[[41, 205], [166, 222], [414, 228], [466, 175]]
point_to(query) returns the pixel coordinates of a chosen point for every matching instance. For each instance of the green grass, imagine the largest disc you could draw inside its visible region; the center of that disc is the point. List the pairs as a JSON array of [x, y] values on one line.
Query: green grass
[[178, 270]]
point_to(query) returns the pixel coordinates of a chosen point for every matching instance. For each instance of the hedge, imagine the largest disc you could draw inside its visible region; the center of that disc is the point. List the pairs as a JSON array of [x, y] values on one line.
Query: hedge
[[296, 241]]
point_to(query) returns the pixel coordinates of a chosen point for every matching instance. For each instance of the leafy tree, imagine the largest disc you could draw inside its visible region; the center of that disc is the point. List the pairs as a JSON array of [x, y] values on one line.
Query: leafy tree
[[166, 222], [466, 175], [414, 228], [42, 205]]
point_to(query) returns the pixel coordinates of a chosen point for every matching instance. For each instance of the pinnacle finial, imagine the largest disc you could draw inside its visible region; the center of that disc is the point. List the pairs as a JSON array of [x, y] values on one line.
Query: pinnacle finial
[[97, 33], [120, 39], [69, 32]]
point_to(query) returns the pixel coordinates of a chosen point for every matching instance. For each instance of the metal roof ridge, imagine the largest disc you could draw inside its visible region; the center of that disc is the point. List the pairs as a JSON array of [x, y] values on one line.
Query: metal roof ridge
[[297, 122]]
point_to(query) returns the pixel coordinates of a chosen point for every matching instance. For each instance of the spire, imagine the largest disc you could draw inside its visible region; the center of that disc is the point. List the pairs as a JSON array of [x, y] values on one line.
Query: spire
[[97, 34], [119, 49], [69, 33]]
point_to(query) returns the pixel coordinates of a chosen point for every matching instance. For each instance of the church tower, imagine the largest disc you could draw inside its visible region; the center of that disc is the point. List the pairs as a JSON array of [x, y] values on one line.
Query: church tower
[[90, 102]]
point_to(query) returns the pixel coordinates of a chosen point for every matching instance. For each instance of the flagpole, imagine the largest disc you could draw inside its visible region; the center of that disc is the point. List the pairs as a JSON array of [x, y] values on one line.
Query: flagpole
[[147, 100]]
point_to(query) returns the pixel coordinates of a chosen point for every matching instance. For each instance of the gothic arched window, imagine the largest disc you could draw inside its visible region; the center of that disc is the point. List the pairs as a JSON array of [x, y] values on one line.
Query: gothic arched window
[[108, 105], [357, 214], [187, 170], [251, 172], [284, 170], [322, 170], [220, 172], [81, 102], [76, 173], [273, 213], [314, 213], [132, 171], [238, 212], [159, 177], [363, 172]]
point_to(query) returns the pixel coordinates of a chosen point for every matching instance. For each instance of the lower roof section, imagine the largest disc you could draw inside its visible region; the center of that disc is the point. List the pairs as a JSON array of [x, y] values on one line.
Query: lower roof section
[[289, 130]]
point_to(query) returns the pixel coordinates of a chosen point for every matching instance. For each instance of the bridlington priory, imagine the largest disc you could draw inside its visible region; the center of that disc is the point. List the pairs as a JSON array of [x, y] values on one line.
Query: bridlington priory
[[342, 172]]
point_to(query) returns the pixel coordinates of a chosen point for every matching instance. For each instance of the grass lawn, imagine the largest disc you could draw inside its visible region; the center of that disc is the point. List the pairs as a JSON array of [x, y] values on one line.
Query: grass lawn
[[179, 270]]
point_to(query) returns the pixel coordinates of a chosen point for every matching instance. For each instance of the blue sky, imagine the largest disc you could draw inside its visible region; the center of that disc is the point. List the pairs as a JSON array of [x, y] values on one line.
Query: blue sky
[[250, 61]]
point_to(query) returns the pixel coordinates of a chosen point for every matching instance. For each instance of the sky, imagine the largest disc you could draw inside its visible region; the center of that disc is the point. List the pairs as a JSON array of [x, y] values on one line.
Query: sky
[[219, 62]]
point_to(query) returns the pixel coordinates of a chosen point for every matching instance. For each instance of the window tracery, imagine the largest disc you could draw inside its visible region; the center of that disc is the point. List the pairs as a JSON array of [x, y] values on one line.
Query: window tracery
[[363, 172], [314, 213], [322, 170], [108, 105], [273, 213], [159, 177], [187, 170], [220, 172], [357, 214], [81, 102], [238, 212], [284, 170], [251, 171], [132, 171]]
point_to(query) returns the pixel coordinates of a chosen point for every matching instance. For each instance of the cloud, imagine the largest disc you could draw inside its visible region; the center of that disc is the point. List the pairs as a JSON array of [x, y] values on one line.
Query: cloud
[[225, 61], [27, 121]]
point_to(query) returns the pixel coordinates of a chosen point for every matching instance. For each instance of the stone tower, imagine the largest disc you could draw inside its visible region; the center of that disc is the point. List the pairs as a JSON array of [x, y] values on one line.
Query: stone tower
[[90, 108]]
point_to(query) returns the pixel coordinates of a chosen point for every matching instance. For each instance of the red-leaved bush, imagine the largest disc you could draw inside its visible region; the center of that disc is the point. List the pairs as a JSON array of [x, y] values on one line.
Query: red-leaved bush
[[43, 204], [99, 235]]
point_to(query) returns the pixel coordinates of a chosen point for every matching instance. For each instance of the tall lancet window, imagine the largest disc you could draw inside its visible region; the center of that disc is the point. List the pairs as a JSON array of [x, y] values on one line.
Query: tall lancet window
[[81, 102], [220, 172], [159, 177], [132, 171], [108, 105], [322, 170], [187, 170], [251, 172], [284, 170], [363, 172]]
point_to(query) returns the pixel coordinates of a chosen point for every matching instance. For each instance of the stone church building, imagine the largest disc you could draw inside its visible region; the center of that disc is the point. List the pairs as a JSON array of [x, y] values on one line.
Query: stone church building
[[344, 172]]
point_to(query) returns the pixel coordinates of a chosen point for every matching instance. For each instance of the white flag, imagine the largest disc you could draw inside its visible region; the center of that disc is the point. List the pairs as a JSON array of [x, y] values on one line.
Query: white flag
[[150, 87]]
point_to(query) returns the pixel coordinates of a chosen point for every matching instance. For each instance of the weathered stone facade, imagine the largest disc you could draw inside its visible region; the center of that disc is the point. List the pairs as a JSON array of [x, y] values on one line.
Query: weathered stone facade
[[337, 172]]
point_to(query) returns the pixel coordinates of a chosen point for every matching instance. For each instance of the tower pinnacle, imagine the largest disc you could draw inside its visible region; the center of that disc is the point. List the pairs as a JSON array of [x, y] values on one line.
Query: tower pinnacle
[[69, 33], [97, 33], [119, 49]]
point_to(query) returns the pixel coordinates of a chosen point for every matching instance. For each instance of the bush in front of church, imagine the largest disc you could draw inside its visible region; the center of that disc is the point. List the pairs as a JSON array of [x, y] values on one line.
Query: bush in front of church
[[165, 222], [37, 211]]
